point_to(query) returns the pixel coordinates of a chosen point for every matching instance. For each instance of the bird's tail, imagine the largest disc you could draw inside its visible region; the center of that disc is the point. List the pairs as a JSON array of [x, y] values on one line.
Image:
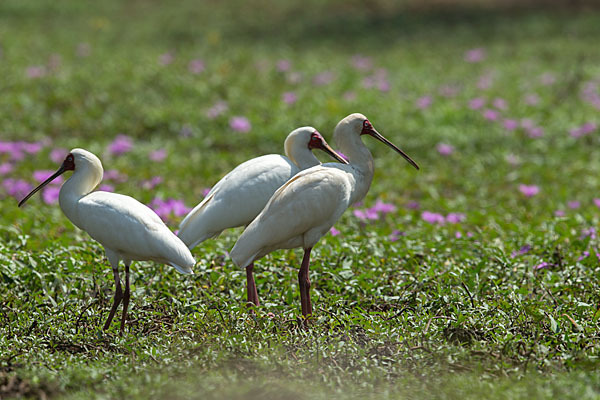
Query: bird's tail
[[183, 270], [241, 258]]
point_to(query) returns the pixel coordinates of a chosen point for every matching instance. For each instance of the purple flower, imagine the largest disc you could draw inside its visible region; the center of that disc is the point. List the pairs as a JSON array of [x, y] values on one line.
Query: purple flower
[[532, 99], [485, 81], [500, 103], [523, 250], [455, 218], [121, 145], [166, 58], [360, 214], [284, 65], [384, 208], [597, 202], [413, 205], [396, 234], [510, 124], [458, 234], [448, 90], [5, 168], [114, 175], [542, 265], [559, 213], [217, 109], [17, 188], [583, 130], [240, 124], [334, 232], [424, 102], [527, 123], [384, 85], [152, 182], [32, 147], [44, 174], [491, 115], [196, 66], [178, 207], [58, 155], [361, 63], [371, 214], [378, 79], [535, 132], [205, 191], [529, 190], [445, 149], [106, 188], [475, 55], [433, 218], [590, 94], [573, 205], [158, 155], [368, 82], [50, 194], [368, 214], [588, 232], [289, 97], [476, 103], [583, 256], [164, 208], [324, 78], [35, 71]]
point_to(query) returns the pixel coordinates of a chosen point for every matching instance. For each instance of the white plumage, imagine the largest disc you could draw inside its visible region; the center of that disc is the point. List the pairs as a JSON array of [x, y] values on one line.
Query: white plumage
[[308, 205], [127, 229], [239, 196]]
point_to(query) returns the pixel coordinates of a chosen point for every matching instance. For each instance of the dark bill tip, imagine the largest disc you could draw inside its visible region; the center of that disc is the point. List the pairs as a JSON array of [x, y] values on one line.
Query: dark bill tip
[[380, 137], [60, 171]]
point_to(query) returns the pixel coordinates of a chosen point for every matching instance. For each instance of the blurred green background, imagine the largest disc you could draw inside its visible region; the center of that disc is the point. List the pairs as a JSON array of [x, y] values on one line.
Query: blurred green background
[[483, 282]]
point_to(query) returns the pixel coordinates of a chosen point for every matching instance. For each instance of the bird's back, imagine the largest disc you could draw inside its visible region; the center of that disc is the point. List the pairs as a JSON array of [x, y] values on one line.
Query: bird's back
[[299, 213], [237, 198], [132, 230]]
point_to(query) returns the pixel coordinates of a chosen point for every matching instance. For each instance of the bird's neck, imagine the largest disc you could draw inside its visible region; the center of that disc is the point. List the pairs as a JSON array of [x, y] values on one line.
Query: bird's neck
[[303, 159], [361, 161], [82, 182]]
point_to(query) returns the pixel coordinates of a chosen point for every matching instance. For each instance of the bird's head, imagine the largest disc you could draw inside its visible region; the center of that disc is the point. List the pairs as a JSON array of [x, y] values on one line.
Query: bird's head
[[309, 138], [356, 125], [77, 159]]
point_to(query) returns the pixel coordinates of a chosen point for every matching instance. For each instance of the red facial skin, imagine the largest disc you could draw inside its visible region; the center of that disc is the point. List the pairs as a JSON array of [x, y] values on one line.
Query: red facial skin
[[316, 141]]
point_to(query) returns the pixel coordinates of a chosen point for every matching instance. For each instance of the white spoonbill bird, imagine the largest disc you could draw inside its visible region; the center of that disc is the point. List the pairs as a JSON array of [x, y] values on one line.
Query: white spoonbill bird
[[306, 207], [128, 230], [239, 196]]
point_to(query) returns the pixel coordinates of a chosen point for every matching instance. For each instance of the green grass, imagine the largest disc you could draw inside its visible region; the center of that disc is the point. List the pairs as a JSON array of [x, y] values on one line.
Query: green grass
[[431, 315]]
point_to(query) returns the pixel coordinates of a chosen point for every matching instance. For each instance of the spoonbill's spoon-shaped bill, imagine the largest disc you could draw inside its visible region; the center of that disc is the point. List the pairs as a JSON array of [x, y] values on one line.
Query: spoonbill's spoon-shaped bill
[[128, 229], [369, 130], [308, 205], [67, 165], [239, 196]]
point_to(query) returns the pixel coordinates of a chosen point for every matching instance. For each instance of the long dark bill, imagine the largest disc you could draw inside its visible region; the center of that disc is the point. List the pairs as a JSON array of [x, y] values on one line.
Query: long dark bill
[[327, 149], [379, 137], [60, 171]]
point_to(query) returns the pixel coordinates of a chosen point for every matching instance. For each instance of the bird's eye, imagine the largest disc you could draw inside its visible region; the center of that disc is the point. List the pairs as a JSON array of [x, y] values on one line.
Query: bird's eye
[[366, 124]]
